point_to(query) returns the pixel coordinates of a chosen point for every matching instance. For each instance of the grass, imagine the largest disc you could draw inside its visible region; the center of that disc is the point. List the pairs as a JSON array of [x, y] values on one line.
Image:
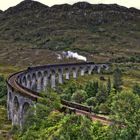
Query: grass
[[129, 79], [5, 125], [7, 70], [40, 44]]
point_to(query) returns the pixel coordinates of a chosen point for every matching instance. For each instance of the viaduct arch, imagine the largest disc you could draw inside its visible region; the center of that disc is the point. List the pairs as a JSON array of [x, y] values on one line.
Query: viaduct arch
[[23, 88]]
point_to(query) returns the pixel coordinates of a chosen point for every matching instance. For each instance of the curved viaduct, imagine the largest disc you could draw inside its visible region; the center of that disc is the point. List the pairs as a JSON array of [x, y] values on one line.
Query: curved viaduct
[[24, 87]]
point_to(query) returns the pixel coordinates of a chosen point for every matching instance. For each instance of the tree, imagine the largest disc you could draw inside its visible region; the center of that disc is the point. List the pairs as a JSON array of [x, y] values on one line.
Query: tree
[[3, 91], [102, 94], [53, 125], [66, 96], [91, 88], [40, 111], [58, 126], [71, 89], [117, 79], [70, 127], [136, 89], [104, 109], [108, 86], [91, 101], [79, 96], [125, 108]]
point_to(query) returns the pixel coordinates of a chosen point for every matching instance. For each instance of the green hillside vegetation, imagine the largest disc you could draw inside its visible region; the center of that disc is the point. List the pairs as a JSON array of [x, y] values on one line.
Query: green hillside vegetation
[[47, 123], [100, 32], [3, 91], [98, 93], [51, 124], [5, 125]]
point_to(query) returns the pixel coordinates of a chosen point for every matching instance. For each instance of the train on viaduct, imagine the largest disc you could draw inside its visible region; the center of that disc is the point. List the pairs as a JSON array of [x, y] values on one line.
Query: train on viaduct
[[24, 87]]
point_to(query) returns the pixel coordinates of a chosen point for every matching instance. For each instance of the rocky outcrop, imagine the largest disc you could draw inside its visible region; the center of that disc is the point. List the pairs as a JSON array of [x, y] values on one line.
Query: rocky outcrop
[[25, 6]]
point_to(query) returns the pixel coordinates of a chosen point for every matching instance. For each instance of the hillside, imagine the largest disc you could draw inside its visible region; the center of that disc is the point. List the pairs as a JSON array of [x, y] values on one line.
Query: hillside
[[31, 33]]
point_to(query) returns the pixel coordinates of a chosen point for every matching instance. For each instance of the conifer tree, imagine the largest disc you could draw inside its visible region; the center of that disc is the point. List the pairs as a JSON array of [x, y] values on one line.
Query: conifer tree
[[117, 80], [108, 86]]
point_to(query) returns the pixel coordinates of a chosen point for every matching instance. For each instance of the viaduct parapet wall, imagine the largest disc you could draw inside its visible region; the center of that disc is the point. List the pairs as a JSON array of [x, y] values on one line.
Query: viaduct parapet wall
[[24, 87]]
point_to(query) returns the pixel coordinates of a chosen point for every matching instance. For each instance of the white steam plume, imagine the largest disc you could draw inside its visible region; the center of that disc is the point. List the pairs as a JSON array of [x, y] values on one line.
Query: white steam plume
[[71, 54]]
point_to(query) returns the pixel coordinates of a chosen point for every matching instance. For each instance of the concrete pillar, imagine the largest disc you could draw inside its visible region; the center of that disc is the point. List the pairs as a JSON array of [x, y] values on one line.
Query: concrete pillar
[[19, 80], [53, 80], [60, 76], [15, 117], [20, 116], [39, 81], [24, 82], [33, 83], [82, 73], [28, 79], [28, 83], [67, 75], [45, 82], [90, 70], [39, 84], [9, 104], [24, 106], [75, 72], [99, 69]]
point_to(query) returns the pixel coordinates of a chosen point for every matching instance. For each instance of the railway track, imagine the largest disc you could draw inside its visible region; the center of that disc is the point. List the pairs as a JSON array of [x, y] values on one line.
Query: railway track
[[84, 110], [73, 107]]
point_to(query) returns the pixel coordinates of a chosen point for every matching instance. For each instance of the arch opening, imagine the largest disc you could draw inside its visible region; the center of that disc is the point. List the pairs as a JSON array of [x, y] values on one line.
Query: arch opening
[[24, 112], [16, 111]]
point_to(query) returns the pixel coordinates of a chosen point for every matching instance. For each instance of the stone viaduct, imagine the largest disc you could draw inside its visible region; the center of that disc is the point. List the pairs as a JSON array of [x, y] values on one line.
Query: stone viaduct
[[23, 88]]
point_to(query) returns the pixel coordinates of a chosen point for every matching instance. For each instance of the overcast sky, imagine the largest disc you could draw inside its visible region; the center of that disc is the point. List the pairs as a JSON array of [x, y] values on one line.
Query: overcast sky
[[4, 4]]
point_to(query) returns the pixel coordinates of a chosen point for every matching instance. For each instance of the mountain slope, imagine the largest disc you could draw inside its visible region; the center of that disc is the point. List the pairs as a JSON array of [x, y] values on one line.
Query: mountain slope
[[108, 31]]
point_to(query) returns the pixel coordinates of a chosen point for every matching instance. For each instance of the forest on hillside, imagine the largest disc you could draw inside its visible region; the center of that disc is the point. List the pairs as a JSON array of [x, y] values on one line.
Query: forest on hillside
[[105, 93]]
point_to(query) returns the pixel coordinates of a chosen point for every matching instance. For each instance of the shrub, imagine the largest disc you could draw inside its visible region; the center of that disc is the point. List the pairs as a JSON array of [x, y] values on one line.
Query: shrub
[[3, 91], [91, 101], [79, 96], [136, 89]]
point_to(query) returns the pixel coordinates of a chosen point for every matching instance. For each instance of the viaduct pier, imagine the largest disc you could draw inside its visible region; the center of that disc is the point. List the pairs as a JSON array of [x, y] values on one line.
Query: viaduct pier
[[24, 87]]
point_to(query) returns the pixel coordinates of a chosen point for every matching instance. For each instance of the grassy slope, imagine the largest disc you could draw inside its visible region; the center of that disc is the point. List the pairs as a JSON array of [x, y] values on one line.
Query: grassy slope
[[5, 125], [27, 27], [98, 47], [130, 78]]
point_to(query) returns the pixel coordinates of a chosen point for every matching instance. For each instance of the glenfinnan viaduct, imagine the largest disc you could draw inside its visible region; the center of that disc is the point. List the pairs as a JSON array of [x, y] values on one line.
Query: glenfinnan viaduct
[[24, 87]]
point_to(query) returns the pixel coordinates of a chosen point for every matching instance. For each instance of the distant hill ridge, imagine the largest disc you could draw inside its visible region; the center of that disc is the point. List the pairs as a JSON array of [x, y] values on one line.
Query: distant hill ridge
[[29, 4]]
